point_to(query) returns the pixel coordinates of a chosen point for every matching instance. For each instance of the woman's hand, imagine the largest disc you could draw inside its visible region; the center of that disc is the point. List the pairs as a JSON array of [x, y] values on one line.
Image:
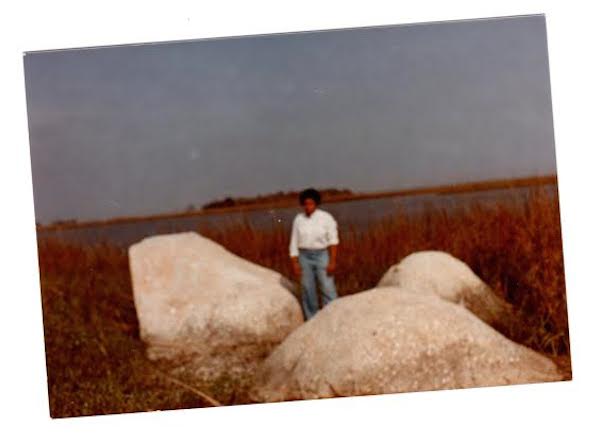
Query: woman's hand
[[296, 267]]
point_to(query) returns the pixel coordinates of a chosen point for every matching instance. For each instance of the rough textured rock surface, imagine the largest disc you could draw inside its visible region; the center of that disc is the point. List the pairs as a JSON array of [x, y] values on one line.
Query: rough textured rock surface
[[210, 311], [442, 274], [389, 340]]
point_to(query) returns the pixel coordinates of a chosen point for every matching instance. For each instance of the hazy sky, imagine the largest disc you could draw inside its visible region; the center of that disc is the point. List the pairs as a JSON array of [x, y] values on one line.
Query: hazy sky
[[133, 130]]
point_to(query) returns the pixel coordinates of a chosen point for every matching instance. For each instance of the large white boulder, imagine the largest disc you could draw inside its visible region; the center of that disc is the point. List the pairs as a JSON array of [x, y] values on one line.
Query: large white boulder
[[206, 308], [449, 278], [390, 340]]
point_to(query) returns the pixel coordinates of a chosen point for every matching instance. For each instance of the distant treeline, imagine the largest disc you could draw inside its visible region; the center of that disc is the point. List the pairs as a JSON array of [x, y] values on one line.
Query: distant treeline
[[65, 223], [276, 197], [329, 195]]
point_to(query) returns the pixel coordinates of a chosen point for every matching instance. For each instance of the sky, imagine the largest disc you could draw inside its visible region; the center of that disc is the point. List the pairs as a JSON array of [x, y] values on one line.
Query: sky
[[152, 128]]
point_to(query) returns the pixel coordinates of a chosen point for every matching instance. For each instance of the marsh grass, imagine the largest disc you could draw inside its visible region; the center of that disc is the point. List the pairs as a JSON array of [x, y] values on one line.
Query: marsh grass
[[96, 362]]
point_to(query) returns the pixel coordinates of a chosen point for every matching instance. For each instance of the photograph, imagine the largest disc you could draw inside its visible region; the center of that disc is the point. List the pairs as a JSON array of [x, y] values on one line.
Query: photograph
[[295, 216]]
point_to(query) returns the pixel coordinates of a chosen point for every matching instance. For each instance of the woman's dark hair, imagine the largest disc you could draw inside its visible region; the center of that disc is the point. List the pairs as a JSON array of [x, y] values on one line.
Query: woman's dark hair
[[310, 193]]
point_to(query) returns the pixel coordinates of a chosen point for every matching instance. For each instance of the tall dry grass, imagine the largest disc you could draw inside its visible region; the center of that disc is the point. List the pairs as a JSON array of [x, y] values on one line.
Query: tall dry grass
[[95, 359], [514, 246]]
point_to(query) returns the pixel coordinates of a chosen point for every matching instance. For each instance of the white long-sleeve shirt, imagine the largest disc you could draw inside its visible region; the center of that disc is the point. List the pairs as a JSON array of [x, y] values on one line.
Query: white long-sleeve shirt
[[318, 231]]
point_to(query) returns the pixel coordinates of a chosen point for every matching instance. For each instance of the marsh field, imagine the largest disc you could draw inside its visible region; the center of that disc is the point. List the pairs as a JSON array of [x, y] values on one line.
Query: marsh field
[[510, 237]]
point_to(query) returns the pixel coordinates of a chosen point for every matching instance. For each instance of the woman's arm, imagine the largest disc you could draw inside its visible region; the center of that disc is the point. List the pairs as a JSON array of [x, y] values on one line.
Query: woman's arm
[[333, 239], [294, 239], [294, 249]]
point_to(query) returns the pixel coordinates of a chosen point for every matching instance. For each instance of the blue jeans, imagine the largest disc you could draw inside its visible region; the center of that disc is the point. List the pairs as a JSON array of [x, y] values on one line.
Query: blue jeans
[[313, 263]]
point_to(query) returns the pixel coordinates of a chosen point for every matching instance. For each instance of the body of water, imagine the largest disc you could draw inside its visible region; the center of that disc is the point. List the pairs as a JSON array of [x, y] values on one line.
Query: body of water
[[359, 213]]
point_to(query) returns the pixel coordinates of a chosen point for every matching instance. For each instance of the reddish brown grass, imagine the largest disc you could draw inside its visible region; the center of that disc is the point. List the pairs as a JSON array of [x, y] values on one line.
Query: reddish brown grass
[[515, 247], [95, 359]]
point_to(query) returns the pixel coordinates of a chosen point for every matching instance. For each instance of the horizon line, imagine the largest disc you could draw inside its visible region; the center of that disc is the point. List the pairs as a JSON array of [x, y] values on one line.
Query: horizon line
[[453, 188]]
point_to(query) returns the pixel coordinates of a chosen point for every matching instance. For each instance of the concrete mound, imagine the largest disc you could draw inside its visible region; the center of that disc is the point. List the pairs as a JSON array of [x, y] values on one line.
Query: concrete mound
[[449, 278], [391, 340], [209, 311]]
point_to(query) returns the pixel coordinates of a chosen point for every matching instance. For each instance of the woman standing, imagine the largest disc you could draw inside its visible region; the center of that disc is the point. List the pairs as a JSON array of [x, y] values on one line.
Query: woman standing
[[313, 250]]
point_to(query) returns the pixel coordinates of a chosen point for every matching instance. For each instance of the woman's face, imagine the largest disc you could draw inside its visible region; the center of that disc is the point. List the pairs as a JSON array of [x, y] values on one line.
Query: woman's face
[[309, 206]]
